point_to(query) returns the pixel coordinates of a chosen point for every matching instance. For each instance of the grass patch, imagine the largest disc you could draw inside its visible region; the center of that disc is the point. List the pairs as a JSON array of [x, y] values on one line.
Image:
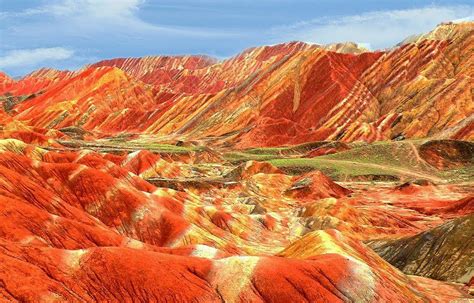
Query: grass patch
[[376, 161], [286, 150], [163, 147], [334, 169], [111, 145], [239, 157], [396, 154]]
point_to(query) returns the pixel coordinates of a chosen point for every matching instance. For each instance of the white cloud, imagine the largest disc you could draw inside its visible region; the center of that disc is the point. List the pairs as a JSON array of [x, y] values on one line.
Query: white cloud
[[100, 15], [94, 8], [379, 29], [33, 57], [94, 29], [468, 18], [74, 8]]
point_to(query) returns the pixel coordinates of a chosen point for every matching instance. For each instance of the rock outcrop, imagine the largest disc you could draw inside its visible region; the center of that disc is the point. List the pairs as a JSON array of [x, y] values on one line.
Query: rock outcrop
[[443, 253]]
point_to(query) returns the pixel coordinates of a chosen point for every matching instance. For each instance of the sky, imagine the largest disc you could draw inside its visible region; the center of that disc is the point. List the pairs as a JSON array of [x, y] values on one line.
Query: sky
[[67, 34]]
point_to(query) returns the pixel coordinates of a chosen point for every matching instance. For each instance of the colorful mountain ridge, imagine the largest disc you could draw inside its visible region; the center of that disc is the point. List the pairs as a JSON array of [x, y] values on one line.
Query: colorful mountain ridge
[[266, 96], [287, 173]]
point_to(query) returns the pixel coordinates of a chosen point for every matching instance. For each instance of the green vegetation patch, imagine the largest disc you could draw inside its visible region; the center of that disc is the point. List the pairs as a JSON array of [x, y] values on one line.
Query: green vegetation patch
[[335, 169]]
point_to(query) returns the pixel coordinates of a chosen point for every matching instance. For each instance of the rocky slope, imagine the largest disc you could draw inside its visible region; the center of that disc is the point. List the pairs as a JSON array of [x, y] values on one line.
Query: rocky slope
[[442, 253]]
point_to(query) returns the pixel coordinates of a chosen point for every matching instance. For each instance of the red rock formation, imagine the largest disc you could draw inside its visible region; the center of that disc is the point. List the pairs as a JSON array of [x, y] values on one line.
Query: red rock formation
[[102, 99], [444, 154], [250, 168], [314, 186], [34, 83]]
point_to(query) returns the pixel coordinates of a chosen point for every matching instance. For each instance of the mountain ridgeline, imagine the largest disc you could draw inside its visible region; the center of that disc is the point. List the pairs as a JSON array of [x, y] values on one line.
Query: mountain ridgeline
[[265, 96]]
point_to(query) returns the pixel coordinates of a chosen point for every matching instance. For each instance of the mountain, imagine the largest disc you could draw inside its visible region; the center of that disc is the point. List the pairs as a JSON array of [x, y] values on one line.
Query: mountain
[[34, 83], [283, 94], [93, 98]]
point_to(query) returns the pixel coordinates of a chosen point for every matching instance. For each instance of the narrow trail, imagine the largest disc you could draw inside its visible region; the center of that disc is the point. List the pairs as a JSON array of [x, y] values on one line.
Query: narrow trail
[[417, 154]]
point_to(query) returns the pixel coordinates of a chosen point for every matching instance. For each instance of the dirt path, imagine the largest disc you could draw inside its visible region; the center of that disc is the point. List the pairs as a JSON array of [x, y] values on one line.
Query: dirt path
[[417, 154]]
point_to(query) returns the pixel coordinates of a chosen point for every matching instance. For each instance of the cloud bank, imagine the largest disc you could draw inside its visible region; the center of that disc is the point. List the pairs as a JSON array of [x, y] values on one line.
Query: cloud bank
[[378, 29], [33, 57]]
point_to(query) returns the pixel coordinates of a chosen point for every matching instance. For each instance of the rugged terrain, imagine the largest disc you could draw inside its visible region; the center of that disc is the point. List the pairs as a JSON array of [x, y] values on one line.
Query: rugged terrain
[[288, 173]]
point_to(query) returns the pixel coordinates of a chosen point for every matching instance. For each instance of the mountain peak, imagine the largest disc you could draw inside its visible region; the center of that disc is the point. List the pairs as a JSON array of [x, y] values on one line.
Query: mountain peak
[[346, 48], [443, 32]]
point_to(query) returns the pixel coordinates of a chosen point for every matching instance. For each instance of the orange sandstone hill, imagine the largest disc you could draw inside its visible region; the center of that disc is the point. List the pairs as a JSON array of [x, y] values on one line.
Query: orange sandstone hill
[[272, 95]]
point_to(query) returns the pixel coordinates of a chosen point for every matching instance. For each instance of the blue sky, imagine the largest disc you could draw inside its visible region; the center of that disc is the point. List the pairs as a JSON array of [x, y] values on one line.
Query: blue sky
[[67, 34]]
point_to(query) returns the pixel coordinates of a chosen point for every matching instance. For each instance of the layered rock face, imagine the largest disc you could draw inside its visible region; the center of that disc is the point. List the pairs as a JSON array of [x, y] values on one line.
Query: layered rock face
[[266, 96]]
